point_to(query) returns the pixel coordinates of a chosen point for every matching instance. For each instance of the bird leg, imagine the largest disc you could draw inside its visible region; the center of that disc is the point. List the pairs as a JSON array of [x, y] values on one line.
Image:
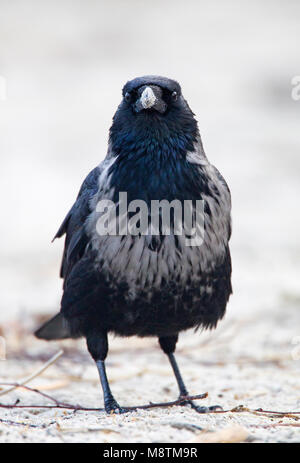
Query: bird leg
[[183, 391], [110, 404], [98, 348], [168, 345]]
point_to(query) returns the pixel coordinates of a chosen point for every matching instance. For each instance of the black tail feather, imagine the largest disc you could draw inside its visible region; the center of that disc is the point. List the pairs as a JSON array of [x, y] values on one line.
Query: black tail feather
[[55, 328]]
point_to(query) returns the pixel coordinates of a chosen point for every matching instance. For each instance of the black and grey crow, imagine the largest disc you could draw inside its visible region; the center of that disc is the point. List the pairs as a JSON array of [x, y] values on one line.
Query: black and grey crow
[[145, 284]]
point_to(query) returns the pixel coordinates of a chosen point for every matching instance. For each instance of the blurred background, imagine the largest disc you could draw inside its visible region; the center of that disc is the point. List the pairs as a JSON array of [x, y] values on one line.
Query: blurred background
[[65, 62]]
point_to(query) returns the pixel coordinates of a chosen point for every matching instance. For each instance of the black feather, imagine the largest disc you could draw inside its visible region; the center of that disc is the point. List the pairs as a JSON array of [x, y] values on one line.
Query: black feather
[[73, 224]]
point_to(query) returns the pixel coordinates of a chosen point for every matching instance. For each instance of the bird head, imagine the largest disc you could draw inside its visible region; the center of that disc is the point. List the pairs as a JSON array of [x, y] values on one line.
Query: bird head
[[153, 114], [152, 94]]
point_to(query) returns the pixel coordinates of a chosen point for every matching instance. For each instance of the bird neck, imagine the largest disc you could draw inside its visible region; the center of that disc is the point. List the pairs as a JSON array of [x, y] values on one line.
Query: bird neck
[[153, 137]]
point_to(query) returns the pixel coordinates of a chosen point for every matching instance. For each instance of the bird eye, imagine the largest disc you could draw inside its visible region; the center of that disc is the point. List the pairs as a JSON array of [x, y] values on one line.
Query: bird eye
[[174, 96], [127, 97]]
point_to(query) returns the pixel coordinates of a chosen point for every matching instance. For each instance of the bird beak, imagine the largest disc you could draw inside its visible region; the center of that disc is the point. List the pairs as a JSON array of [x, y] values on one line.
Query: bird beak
[[147, 98], [150, 98]]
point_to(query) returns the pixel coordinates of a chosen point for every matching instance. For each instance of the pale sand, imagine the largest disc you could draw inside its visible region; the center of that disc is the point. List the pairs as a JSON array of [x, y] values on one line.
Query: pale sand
[[64, 75]]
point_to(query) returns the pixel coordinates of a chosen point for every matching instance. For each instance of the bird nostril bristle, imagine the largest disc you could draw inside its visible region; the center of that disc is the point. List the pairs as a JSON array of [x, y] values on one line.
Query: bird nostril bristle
[[148, 98]]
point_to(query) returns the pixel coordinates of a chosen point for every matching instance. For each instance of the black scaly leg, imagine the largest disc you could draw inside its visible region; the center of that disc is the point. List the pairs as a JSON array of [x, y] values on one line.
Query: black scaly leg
[[168, 345], [98, 347]]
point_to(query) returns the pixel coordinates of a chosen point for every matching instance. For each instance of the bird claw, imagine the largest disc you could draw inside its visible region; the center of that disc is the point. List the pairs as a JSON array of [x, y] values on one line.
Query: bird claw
[[117, 411], [113, 408], [201, 409], [210, 409]]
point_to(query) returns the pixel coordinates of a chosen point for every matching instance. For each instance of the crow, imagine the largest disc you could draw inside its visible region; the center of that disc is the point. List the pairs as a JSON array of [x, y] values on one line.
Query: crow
[[147, 282]]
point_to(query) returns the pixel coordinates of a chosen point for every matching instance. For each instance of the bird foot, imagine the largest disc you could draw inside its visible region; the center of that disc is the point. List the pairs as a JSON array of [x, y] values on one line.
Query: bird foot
[[112, 407], [200, 409]]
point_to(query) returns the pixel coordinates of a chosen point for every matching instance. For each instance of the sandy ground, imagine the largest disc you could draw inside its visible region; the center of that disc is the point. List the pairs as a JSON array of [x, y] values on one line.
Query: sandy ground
[[238, 365], [64, 71]]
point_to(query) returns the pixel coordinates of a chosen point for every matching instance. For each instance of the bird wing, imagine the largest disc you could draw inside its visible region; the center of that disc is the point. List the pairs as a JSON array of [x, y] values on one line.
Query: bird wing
[[227, 199], [73, 225], [74, 250]]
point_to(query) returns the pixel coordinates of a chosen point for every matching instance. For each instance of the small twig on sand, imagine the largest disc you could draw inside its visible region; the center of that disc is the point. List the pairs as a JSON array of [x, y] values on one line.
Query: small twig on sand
[[64, 405], [170, 404], [260, 411], [33, 375]]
